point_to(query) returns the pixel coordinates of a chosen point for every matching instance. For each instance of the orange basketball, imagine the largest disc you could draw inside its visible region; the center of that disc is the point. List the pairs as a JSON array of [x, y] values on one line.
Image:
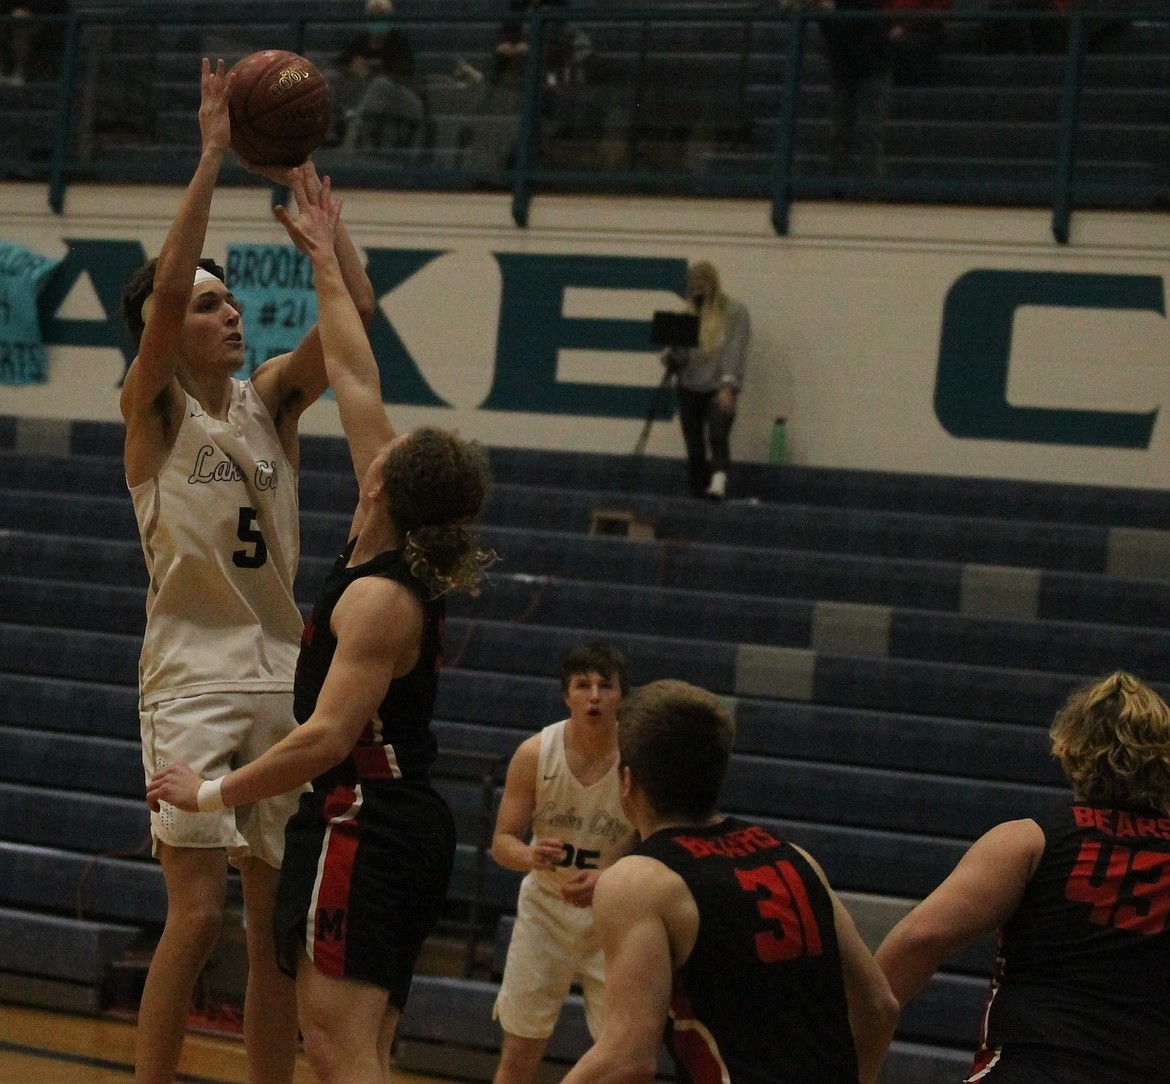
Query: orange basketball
[[280, 107]]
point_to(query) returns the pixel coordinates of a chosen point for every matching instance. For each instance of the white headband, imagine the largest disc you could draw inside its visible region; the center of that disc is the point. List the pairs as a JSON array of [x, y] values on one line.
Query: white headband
[[201, 275]]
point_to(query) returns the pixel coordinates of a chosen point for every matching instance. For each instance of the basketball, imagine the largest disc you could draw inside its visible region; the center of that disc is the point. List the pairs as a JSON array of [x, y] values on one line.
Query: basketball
[[280, 107]]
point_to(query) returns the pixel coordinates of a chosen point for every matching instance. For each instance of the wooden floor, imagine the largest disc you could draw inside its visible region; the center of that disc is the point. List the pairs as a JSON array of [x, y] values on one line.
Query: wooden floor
[[38, 1047]]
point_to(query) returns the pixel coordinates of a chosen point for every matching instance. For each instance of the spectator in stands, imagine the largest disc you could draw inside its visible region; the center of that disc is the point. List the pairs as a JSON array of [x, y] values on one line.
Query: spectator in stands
[[379, 100], [858, 55], [370, 850], [211, 465], [560, 822], [719, 925], [710, 378], [916, 43], [20, 60], [491, 137], [349, 77], [565, 48], [1080, 895]]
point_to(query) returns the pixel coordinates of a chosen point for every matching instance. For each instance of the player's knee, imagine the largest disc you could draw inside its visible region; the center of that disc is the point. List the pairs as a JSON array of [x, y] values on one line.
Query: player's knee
[[320, 1054], [198, 921], [327, 1057]]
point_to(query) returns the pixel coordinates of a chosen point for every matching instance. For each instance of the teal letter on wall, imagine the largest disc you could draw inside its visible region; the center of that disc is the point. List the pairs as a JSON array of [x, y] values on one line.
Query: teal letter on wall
[[388, 268], [970, 395], [109, 264], [533, 331]]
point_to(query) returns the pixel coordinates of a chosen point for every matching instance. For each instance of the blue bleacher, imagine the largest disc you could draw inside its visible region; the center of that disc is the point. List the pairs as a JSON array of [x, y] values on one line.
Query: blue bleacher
[[888, 711], [687, 96]]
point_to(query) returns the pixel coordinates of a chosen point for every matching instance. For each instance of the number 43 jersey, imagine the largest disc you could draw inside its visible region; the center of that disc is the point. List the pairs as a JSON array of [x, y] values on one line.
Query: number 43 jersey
[[761, 998], [1084, 963], [221, 537]]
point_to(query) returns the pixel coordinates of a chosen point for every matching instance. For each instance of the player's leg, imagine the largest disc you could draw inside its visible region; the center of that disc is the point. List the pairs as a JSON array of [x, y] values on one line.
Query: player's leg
[[270, 1006], [386, 1036], [196, 883], [344, 1024], [591, 975], [270, 1017], [519, 1059], [538, 973]]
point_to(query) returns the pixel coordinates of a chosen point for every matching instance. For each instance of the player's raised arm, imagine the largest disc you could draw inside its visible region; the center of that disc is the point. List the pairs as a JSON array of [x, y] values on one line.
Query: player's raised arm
[[152, 399], [349, 360], [290, 383]]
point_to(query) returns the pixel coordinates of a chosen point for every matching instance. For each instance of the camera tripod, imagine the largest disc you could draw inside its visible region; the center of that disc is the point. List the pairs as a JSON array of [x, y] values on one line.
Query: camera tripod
[[661, 395]]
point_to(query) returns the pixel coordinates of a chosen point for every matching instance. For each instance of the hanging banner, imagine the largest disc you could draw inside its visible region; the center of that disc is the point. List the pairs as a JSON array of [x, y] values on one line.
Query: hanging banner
[[22, 353], [275, 284]]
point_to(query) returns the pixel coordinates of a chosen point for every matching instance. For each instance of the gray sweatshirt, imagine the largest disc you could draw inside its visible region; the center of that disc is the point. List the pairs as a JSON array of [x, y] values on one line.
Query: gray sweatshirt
[[725, 365]]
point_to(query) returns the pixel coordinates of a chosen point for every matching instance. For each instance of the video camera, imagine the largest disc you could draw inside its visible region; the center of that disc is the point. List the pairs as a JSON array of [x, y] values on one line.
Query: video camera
[[679, 329]]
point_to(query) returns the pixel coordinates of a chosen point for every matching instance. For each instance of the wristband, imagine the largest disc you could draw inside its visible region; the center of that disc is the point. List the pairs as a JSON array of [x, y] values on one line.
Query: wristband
[[210, 796]]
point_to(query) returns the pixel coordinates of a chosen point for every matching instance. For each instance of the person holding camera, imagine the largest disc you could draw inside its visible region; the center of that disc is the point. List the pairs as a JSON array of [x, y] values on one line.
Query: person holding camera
[[710, 376]]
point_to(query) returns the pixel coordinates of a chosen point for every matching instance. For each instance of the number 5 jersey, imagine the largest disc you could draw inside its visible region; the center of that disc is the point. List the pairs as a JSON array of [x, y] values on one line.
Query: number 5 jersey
[[761, 998], [221, 537], [1084, 963]]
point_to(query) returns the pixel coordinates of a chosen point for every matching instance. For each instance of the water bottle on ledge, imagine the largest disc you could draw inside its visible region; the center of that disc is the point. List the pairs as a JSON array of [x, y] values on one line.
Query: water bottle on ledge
[[776, 450]]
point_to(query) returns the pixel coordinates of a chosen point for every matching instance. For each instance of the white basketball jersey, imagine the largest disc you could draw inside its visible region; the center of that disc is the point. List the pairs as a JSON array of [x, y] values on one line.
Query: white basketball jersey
[[589, 820], [221, 535]]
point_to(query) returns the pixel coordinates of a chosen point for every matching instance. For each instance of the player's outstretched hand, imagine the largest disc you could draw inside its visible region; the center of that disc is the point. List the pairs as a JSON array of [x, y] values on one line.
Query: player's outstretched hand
[[215, 126], [177, 785], [315, 224], [283, 175]]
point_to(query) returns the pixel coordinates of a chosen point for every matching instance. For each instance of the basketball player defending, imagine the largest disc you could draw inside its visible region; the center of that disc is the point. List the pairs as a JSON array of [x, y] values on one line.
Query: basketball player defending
[[560, 820], [211, 464], [717, 924]]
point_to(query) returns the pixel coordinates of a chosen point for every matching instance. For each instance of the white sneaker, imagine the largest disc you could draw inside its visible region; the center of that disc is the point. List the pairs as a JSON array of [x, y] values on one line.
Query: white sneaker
[[717, 490]]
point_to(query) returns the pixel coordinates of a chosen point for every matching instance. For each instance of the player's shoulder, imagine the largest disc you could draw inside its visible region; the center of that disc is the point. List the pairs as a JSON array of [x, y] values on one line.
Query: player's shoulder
[[638, 889], [526, 757], [380, 603], [637, 877]]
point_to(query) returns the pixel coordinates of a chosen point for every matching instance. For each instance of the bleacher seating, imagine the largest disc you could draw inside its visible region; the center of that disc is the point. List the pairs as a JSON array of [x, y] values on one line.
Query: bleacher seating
[[893, 647], [686, 98]]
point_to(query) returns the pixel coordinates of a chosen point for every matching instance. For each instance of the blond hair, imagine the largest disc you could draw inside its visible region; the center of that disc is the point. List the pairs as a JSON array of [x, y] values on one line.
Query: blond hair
[[711, 318], [1112, 739]]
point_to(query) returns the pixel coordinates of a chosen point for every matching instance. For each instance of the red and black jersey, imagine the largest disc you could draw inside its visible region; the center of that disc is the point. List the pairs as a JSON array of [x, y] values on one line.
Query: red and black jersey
[[397, 742], [1084, 964], [761, 998]]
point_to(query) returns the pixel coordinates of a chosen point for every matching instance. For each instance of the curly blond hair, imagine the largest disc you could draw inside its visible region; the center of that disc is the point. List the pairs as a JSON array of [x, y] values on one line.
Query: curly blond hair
[[1112, 739], [437, 485]]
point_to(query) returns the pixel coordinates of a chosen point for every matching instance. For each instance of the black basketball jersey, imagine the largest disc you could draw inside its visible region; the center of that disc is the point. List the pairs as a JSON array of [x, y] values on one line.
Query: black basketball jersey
[[1084, 964], [761, 997], [397, 743]]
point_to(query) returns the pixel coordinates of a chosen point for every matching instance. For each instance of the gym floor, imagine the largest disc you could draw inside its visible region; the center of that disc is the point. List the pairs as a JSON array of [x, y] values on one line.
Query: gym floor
[[38, 1047]]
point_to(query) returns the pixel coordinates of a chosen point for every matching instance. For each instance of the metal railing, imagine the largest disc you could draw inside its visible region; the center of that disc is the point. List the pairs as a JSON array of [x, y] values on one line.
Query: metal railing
[[745, 115]]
